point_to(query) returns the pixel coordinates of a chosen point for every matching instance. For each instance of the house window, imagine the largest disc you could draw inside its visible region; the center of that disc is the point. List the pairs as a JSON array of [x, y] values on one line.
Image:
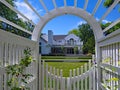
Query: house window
[[71, 41]]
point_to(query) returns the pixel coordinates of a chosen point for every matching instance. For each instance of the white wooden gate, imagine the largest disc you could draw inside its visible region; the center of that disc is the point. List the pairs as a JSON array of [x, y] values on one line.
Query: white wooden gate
[[11, 52], [82, 78]]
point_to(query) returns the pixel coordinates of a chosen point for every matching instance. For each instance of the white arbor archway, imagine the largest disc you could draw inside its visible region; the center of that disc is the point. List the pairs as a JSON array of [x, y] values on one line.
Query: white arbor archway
[[68, 10], [106, 46]]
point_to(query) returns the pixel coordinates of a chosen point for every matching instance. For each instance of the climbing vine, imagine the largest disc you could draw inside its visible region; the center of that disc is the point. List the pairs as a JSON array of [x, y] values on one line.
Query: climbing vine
[[18, 78]]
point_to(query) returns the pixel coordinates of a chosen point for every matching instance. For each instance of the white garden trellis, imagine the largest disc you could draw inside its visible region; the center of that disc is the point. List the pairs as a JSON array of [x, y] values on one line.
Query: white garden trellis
[[12, 46]]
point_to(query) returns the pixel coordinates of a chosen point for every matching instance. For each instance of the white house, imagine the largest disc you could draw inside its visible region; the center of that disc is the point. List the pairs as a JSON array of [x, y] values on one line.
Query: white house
[[60, 44]]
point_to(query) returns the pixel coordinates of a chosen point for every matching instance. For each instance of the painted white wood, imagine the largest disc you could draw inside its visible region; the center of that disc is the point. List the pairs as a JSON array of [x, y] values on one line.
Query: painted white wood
[[110, 39], [54, 3], [13, 39], [109, 10], [26, 1], [94, 81], [75, 3], [96, 7], [46, 76], [11, 52], [14, 25], [39, 73], [50, 78], [1, 81], [15, 10], [86, 3], [90, 76], [42, 3], [65, 3], [6, 54], [57, 86], [78, 80], [54, 78], [86, 85], [61, 80], [82, 79], [74, 83], [112, 24], [43, 75], [69, 10], [70, 85]]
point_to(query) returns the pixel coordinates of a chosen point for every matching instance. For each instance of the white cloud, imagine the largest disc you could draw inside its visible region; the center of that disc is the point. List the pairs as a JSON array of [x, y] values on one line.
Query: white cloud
[[103, 21], [81, 22], [26, 10], [106, 21], [97, 19]]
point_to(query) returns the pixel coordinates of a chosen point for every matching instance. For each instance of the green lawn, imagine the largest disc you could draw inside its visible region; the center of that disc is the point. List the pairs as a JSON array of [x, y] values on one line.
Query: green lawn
[[66, 66], [66, 57]]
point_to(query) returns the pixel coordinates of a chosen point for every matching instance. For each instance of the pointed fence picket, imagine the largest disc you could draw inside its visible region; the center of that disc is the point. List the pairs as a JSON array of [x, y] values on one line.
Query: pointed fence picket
[[79, 79]]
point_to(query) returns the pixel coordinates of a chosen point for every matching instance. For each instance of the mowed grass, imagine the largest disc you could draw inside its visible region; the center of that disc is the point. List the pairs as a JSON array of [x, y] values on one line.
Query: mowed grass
[[66, 66], [65, 57]]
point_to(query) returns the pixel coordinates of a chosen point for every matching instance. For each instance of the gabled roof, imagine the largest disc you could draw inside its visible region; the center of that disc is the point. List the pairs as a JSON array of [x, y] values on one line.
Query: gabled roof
[[59, 37], [44, 37]]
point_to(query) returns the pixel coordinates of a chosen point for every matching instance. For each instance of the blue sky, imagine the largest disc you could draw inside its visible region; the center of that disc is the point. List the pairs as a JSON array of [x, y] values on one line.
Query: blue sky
[[63, 24]]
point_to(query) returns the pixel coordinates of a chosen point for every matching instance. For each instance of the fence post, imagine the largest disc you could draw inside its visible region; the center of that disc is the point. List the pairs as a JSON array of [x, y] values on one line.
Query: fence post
[[39, 74], [82, 79], [78, 87], [94, 81], [74, 79], [57, 86], [69, 81], [43, 75], [50, 77], [86, 81], [46, 76], [61, 80], [90, 76], [54, 78]]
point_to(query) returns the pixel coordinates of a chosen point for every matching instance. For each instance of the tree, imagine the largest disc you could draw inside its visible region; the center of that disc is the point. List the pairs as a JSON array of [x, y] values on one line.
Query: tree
[[87, 36], [108, 3], [74, 31], [114, 28]]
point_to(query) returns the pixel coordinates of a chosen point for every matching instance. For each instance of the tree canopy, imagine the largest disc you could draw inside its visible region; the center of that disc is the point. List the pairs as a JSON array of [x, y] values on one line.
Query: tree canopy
[[107, 3], [86, 35]]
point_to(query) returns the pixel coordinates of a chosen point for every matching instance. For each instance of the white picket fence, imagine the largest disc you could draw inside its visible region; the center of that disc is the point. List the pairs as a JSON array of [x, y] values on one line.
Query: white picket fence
[[11, 51], [83, 78], [109, 62]]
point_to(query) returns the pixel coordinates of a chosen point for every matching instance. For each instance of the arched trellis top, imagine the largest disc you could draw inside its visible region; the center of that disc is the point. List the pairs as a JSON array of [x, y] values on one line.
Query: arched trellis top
[[57, 11], [68, 10]]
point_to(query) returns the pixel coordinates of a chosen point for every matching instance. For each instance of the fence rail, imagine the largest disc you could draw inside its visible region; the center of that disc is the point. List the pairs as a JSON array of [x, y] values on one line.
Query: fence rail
[[11, 52]]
